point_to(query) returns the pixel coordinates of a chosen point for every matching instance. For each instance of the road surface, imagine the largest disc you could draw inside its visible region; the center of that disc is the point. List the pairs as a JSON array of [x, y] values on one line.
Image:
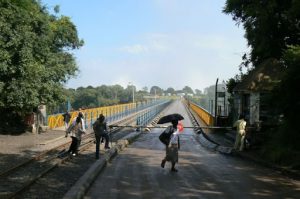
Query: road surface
[[136, 172]]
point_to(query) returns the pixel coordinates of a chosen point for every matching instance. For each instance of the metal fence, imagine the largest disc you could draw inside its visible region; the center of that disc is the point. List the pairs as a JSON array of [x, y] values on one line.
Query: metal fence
[[112, 113]]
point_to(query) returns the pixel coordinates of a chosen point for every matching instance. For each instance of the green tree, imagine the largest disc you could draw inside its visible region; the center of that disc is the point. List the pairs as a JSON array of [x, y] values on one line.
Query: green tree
[[198, 92], [270, 26], [35, 58], [145, 89], [188, 90], [85, 98], [285, 99], [156, 90], [170, 90], [230, 84], [118, 92], [130, 92]]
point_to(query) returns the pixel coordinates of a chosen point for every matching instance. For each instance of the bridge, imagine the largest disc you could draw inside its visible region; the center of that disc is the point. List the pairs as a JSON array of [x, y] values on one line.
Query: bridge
[[136, 172], [130, 45], [132, 167]]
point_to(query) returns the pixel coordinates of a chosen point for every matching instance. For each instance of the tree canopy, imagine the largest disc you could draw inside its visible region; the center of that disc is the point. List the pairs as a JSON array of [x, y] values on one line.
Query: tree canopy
[[105, 95], [35, 57], [188, 90], [271, 26], [170, 90], [156, 90]]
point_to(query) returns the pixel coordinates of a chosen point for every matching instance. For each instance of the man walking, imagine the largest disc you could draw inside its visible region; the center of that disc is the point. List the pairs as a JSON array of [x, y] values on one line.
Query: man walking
[[240, 134], [100, 130]]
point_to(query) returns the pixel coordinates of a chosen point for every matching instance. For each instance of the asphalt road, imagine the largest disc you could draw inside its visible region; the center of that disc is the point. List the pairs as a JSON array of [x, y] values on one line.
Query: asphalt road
[[136, 172]]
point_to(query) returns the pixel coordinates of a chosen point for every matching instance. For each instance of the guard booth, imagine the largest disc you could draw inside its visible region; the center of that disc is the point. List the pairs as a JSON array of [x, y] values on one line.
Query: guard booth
[[29, 120], [36, 120], [222, 114]]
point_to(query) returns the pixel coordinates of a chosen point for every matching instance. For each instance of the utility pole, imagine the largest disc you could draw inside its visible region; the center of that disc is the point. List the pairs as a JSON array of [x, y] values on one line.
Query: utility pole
[[130, 84], [216, 101], [132, 94]]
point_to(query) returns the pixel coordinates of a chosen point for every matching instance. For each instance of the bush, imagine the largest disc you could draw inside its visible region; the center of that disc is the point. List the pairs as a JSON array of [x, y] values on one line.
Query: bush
[[11, 122]]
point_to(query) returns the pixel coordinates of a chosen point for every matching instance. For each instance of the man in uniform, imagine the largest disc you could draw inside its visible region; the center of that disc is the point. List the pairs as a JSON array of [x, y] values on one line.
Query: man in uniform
[[240, 134]]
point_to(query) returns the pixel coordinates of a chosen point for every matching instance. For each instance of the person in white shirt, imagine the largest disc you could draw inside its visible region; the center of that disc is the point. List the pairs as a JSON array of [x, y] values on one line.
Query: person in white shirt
[[75, 131], [83, 129]]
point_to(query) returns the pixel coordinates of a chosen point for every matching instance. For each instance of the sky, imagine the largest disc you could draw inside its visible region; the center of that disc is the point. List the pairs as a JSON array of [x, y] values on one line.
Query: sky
[[165, 43]]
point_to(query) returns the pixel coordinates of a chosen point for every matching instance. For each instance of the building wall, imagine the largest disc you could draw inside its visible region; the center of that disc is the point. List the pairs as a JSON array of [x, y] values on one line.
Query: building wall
[[237, 106], [254, 108], [250, 110]]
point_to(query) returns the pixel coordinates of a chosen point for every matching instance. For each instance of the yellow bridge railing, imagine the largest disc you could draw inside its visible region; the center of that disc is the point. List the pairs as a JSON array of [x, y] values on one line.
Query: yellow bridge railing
[[207, 118], [55, 121]]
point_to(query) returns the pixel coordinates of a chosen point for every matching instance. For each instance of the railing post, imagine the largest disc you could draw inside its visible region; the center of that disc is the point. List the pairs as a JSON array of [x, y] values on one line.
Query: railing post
[[91, 119], [85, 120]]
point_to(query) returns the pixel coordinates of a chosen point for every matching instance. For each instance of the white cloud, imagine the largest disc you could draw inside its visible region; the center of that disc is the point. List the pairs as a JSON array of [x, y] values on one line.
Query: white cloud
[[134, 49], [152, 43], [122, 80]]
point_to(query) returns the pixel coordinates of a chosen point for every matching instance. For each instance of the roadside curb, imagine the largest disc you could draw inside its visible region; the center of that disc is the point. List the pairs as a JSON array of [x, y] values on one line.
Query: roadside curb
[[207, 142], [81, 186]]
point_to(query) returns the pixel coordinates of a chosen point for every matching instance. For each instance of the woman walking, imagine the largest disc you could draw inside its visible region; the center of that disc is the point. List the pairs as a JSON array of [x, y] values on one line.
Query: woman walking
[[172, 146], [75, 131]]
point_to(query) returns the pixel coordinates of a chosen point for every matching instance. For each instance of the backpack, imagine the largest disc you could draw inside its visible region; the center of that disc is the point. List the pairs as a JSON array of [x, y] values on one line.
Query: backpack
[[166, 135]]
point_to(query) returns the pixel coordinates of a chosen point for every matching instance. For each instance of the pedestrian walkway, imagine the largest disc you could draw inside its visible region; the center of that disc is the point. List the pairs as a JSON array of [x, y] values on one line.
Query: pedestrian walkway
[[13, 144], [17, 148]]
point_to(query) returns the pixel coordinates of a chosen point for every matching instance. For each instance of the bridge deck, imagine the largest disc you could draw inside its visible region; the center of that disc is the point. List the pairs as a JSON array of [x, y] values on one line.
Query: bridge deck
[[136, 172]]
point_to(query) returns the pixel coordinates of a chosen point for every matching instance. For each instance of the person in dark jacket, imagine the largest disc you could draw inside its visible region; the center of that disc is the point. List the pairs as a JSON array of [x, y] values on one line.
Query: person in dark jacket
[[172, 146], [100, 130]]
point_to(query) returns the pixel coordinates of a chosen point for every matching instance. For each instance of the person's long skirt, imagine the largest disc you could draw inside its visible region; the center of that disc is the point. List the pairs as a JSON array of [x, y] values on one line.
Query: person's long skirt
[[172, 153]]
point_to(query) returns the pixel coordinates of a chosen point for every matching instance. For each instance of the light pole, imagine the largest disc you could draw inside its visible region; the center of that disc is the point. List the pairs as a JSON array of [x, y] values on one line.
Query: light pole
[[130, 84], [216, 101], [132, 94]]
